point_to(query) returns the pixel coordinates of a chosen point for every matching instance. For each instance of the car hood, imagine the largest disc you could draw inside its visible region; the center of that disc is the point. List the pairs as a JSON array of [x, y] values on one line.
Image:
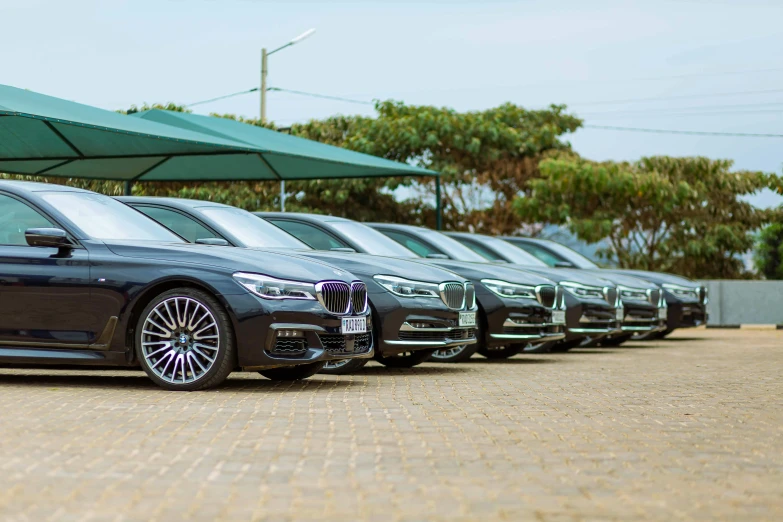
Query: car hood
[[659, 278], [622, 278], [560, 275], [368, 265], [479, 271], [276, 264]]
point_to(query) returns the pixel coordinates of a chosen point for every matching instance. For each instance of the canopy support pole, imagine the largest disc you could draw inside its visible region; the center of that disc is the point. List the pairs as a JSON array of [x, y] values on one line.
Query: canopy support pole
[[129, 188], [438, 207]]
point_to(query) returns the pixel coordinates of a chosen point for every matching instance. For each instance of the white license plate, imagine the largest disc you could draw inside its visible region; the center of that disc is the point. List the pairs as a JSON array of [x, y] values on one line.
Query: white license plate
[[352, 325], [467, 319], [619, 313], [662, 312], [558, 317]]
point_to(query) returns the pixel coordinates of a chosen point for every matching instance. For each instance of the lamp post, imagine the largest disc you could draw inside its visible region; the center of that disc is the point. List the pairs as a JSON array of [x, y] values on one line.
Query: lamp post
[[264, 71]]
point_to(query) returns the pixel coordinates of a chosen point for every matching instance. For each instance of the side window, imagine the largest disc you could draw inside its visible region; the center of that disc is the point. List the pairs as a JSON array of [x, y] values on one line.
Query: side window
[[312, 236], [178, 223], [420, 248], [480, 249], [15, 218], [540, 253]]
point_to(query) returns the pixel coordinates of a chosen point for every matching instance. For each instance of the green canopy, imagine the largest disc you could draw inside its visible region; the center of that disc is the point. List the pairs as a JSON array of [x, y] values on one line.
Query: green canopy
[[44, 135], [285, 157]]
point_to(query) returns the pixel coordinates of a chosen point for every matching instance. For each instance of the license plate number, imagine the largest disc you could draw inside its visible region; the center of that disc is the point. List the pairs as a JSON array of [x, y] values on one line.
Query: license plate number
[[353, 325], [619, 314], [558, 317], [662, 313], [467, 319]]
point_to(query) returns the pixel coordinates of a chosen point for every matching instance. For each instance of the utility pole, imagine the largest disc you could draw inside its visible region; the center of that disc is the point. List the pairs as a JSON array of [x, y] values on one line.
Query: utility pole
[[264, 71]]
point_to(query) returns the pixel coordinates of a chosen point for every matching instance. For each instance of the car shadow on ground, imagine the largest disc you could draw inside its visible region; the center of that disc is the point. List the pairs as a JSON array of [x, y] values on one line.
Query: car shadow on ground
[[424, 369], [591, 351], [525, 359]]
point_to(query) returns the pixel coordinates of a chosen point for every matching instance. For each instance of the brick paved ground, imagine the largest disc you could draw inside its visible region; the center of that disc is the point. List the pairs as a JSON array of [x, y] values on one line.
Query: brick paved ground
[[689, 428]]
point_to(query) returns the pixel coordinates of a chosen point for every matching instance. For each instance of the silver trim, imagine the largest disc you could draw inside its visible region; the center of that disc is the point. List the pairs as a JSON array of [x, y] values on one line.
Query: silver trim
[[442, 293], [538, 289], [319, 295], [552, 336]]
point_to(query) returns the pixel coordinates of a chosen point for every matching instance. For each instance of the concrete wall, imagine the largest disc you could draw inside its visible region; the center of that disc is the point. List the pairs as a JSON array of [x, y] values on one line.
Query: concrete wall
[[735, 303]]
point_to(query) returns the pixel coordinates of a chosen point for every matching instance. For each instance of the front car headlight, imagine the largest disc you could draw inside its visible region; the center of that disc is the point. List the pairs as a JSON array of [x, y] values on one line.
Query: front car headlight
[[509, 290], [406, 287], [580, 290], [687, 292], [636, 294], [272, 288]]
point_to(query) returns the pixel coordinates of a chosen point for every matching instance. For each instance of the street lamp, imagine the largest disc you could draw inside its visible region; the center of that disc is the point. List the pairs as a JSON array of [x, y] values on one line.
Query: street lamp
[[264, 72]]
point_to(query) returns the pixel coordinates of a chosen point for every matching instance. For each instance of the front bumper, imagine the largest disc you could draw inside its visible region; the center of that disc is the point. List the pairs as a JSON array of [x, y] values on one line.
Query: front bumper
[[590, 318], [685, 314], [319, 337], [642, 317], [407, 324], [517, 321]]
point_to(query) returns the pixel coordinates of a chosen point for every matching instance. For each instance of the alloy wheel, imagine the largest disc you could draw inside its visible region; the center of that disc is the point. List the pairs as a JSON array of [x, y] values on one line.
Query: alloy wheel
[[180, 340]]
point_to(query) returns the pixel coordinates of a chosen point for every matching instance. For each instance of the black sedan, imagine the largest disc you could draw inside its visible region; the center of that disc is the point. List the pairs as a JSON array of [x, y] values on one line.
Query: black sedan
[[88, 281], [686, 299], [643, 302], [417, 308], [515, 308]]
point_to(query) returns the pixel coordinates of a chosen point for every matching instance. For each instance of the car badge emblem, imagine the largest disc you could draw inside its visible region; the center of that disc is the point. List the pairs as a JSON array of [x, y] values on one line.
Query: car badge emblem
[[183, 339]]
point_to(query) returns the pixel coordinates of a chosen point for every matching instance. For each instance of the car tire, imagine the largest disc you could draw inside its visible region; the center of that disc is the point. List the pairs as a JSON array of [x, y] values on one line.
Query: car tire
[[501, 352], [540, 347], [406, 359], [190, 328], [616, 340], [456, 354], [293, 373], [344, 366]]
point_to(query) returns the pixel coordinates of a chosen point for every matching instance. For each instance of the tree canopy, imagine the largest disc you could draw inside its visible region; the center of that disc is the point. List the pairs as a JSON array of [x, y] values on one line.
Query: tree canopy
[[768, 255], [682, 215]]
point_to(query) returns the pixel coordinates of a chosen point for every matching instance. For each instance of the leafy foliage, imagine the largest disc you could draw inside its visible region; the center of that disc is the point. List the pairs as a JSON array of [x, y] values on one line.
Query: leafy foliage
[[769, 251], [683, 215]]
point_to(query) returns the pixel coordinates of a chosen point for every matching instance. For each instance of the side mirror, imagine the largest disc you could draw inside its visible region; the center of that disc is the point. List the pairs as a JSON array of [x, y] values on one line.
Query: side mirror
[[47, 237], [212, 241], [342, 249], [437, 256], [564, 264]]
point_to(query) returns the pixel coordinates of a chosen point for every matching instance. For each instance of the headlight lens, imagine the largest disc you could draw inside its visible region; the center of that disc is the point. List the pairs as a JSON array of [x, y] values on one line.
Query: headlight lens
[[509, 290], [581, 290], [273, 288], [682, 291], [407, 288], [637, 294]]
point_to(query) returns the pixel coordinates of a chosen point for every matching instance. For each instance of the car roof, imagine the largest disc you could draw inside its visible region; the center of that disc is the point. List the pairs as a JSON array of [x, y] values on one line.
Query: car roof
[[305, 216], [34, 186], [530, 239], [397, 226], [172, 202]]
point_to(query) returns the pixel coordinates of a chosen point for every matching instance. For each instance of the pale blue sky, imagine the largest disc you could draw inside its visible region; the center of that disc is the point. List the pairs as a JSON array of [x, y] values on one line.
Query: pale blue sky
[[462, 54]]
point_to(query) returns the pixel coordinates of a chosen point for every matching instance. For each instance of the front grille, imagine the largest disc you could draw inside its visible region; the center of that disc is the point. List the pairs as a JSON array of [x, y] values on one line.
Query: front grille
[[610, 294], [289, 348], [346, 344], [358, 297], [470, 296], [703, 295], [453, 295], [655, 296], [546, 295], [560, 294], [335, 296]]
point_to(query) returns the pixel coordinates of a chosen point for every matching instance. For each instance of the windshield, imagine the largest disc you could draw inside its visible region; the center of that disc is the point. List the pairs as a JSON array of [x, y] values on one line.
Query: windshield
[[453, 248], [371, 241], [511, 253], [571, 256], [251, 230], [102, 217]]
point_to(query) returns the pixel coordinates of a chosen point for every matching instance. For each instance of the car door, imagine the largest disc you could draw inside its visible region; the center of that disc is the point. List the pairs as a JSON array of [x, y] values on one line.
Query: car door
[[44, 293]]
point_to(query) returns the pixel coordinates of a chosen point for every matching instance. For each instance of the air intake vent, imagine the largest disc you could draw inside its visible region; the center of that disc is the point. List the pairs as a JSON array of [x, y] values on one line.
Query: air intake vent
[[453, 295], [358, 297], [335, 296], [546, 295], [610, 294]]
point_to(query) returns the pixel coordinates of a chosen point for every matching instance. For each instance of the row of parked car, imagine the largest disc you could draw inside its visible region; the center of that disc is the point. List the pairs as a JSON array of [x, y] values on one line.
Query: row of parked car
[[192, 290]]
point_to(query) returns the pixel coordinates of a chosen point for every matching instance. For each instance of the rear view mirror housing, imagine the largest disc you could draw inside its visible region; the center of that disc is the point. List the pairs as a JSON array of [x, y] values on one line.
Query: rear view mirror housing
[[47, 238], [212, 241]]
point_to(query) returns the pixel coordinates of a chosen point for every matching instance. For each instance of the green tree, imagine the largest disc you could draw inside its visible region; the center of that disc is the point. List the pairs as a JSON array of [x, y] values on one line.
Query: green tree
[[682, 215], [768, 255]]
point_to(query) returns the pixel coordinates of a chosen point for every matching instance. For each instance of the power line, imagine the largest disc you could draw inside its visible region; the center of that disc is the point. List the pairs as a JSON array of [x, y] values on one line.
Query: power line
[[693, 109], [676, 97], [692, 133], [323, 96], [254, 89]]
